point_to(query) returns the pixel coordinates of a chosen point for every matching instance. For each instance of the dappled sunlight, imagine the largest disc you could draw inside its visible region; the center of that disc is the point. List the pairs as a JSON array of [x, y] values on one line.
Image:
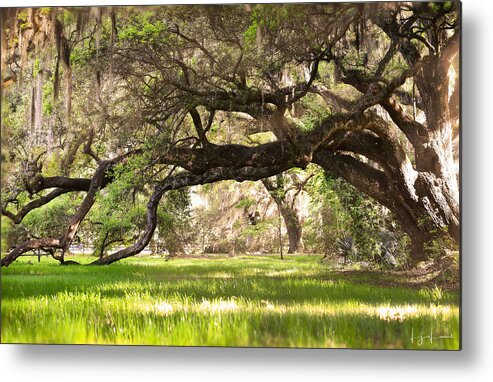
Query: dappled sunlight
[[401, 313], [166, 308], [218, 306], [241, 175], [396, 313], [222, 275], [163, 308], [240, 306], [195, 301], [322, 324], [281, 273]]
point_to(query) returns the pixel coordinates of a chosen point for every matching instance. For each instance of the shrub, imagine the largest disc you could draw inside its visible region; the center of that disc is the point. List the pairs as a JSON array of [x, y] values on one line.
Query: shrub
[[346, 248]]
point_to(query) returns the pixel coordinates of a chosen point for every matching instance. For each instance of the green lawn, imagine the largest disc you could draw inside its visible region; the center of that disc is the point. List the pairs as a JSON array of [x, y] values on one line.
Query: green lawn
[[241, 301]]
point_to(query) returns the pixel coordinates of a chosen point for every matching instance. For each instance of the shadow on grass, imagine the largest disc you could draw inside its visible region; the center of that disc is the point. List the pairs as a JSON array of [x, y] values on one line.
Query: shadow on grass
[[332, 288]]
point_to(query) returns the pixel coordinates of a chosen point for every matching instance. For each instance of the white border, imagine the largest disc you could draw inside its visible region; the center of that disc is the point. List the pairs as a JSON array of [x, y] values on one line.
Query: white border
[[92, 363]]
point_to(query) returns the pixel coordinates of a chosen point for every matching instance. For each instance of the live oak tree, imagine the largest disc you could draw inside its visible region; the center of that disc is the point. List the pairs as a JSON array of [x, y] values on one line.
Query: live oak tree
[[369, 92]]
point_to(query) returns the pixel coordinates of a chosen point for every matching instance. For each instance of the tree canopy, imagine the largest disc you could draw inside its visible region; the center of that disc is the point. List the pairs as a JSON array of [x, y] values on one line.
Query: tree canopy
[[111, 104]]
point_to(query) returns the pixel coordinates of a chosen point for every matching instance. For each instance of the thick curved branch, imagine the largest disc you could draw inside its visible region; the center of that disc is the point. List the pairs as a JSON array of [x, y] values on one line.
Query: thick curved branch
[[374, 183], [272, 165], [97, 182], [40, 183], [199, 127], [200, 160], [332, 99], [414, 131], [361, 175], [185, 180], [29, 246], [17, 218]]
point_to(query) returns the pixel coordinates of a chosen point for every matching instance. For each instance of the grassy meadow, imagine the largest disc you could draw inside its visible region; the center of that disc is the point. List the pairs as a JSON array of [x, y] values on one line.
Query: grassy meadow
[[241, 301]]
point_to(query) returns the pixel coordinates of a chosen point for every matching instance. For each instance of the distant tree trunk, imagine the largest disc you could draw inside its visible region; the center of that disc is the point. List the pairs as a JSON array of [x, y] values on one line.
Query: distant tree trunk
[[174, 246], [288, 213], [293, 227], [280, 236], [102, 247]]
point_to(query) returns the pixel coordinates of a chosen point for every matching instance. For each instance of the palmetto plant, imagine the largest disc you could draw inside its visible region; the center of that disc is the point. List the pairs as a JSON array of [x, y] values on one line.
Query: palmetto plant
[[388, 249], [346, 248]]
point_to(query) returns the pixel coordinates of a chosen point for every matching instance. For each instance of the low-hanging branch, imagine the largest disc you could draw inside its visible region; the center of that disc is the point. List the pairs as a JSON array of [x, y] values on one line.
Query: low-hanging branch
[[207, 165], [37, 203], [171, 183]]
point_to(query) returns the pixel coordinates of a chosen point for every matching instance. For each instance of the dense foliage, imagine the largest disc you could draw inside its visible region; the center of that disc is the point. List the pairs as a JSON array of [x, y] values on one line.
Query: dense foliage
[[108, 112]]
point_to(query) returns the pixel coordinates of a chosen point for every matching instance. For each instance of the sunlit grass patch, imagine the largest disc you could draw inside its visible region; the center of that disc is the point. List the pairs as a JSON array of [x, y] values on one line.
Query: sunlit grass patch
[[222, 302]]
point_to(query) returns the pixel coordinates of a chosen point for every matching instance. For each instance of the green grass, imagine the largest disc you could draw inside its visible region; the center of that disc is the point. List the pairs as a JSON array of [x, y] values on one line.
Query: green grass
[[241, 301]]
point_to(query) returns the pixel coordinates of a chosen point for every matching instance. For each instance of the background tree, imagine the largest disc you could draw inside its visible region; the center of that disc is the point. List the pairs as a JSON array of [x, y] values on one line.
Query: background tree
[[279, 188], [174, 216]]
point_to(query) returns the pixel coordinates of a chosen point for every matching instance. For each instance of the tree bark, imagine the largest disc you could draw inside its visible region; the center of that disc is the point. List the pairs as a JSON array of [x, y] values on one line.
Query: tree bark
[[437, 183], [29, 246]]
